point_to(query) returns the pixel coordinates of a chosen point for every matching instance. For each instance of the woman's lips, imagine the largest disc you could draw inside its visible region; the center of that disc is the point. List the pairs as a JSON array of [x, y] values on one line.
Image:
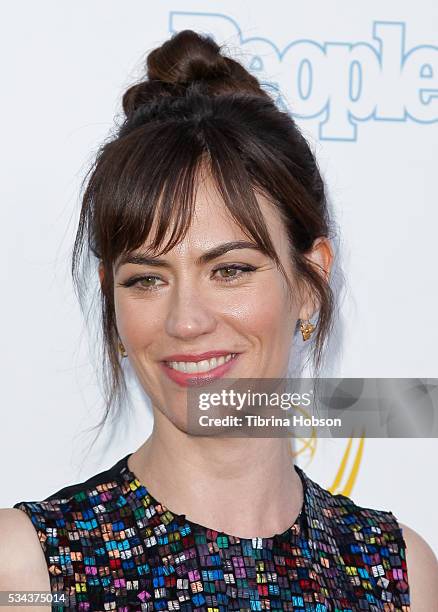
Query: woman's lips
[[198, 378]]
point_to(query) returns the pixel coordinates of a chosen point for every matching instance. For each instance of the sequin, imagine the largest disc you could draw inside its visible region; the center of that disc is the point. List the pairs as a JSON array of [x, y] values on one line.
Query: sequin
[[111, 546]]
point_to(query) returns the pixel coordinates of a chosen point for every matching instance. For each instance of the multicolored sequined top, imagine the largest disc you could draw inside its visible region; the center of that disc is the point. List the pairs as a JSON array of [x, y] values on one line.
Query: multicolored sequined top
[[109, 545]]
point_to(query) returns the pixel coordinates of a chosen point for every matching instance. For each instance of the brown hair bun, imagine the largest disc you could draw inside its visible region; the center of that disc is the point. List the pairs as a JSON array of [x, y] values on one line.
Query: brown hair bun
[[186, 58]]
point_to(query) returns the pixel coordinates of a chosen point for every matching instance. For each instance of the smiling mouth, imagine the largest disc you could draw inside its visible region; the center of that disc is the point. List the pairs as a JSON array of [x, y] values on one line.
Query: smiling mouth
[[199, 367]]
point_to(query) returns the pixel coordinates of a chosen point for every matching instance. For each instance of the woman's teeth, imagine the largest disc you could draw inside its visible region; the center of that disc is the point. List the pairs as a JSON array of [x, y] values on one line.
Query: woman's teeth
[[190, 367]]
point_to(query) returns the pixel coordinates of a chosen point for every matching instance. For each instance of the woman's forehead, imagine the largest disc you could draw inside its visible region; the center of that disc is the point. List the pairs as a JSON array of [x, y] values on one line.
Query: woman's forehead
[[212, 212], [212, 222]]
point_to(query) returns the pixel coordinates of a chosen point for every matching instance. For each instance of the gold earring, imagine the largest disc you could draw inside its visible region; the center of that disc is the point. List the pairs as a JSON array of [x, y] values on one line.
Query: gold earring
[[306, 328], [122, 350]]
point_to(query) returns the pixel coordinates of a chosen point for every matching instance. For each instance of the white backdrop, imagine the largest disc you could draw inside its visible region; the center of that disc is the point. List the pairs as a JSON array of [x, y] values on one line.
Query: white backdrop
[[364, 87]]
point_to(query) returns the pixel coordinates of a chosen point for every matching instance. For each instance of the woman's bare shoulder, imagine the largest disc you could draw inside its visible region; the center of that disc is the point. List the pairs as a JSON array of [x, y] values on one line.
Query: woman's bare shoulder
[[22, 563], [422, 567]]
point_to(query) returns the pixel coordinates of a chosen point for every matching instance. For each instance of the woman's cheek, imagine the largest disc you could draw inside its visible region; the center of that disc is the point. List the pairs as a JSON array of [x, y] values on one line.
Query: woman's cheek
[[136, 322], [264, 308]]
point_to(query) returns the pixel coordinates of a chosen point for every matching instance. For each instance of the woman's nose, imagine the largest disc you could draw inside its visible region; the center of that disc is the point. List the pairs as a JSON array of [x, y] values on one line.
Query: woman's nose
[[189, 313]]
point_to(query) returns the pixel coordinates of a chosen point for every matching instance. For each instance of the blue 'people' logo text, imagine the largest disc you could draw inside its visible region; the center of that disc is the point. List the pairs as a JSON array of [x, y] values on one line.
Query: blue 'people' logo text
[[342, 84]]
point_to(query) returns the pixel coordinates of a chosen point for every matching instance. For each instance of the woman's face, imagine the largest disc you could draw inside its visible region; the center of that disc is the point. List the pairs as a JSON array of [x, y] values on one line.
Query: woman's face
[[235, 304]]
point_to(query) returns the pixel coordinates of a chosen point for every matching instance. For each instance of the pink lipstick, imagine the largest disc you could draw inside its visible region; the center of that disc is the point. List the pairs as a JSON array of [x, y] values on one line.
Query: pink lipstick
[[187, 379]]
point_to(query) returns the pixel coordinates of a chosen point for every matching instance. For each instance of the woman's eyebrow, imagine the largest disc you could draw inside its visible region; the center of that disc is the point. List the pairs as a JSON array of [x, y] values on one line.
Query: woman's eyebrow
[[217, 251]]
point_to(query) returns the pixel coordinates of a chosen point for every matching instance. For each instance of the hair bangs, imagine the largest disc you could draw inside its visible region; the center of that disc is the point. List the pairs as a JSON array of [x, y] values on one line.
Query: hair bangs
[[163, 174], [154, 185]]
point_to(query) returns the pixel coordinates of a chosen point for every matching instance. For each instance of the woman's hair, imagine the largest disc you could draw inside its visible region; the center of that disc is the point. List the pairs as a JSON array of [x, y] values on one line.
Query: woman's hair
[[197, 108]]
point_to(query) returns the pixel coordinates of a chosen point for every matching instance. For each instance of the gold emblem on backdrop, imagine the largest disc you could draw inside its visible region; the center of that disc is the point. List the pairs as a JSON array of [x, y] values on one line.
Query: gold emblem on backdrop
[[344, 478]]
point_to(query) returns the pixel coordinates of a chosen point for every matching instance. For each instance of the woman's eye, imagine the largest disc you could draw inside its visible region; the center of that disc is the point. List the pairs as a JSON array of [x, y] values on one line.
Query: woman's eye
[[147, 280], [232, 272], [142, 282]]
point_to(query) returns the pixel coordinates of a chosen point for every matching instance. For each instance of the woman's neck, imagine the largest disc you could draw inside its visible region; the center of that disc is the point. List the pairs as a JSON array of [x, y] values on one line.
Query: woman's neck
[[245, 487]]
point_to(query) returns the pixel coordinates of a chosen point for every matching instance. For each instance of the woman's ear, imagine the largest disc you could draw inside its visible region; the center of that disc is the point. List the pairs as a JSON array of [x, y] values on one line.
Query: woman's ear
[[321, 257], [101, 273]]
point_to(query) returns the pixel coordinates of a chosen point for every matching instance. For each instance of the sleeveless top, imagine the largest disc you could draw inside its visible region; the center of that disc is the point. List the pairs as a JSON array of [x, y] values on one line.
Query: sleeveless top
[[109, 545]]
